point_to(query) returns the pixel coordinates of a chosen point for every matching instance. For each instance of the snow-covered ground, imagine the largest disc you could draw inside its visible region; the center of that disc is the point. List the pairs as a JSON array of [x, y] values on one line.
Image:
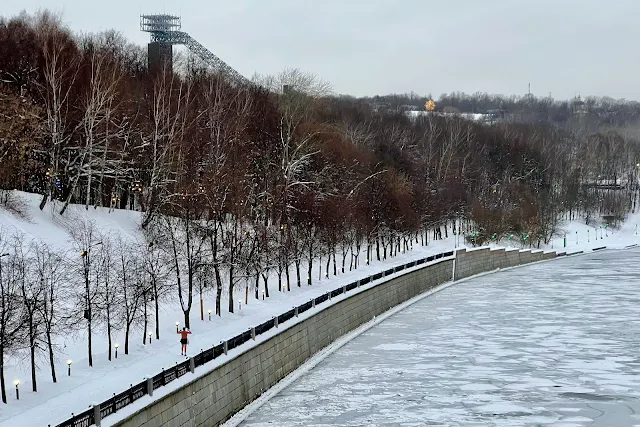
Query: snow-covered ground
[[531, 346], [72, 394], [476, 117]]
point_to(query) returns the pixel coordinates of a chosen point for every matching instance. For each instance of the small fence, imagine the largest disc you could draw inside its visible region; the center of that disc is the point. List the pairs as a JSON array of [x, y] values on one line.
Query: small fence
[[94, 414]]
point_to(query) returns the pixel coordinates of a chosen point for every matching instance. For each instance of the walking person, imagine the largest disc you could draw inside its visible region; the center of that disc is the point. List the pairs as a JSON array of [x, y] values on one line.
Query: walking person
[[184, 335]]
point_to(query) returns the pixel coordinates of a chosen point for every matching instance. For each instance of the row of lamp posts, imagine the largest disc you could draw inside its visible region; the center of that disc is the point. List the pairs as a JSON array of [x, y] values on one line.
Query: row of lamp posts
[[17, 382], [116, 346], [605, 228]]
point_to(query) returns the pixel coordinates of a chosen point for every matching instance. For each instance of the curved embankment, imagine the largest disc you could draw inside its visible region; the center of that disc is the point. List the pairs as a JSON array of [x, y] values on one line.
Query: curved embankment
[[214, 397]]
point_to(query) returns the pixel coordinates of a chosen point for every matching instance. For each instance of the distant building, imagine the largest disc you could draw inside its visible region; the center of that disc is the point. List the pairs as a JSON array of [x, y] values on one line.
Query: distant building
[[578, 106]]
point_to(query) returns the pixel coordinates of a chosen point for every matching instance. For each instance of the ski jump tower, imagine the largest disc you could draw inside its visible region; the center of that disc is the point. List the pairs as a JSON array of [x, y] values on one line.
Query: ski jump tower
[[166, 31]]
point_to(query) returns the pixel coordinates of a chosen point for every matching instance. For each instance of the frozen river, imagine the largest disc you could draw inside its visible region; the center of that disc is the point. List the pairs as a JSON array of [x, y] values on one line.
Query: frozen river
[[555, 344]]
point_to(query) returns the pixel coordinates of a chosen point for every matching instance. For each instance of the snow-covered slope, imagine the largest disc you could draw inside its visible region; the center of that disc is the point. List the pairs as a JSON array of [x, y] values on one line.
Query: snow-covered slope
[[55, 402], [52, 228]]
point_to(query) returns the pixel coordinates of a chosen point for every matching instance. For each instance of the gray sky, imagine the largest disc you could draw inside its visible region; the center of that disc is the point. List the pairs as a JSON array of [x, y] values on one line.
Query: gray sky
[[367, 47]]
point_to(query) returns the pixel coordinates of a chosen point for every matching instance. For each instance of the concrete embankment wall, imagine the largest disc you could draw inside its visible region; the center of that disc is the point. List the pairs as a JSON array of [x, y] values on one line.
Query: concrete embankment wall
[[216, 396]]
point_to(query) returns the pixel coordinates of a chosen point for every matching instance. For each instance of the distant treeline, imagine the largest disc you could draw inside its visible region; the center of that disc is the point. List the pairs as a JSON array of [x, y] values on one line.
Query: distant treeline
[[602, 110]]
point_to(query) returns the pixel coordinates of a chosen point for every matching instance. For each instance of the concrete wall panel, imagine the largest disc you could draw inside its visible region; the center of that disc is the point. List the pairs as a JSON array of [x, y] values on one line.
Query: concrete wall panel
[[212, 399]]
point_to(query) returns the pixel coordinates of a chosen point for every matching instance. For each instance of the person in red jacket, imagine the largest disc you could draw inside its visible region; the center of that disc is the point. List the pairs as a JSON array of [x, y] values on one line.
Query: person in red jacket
[[184, 334]]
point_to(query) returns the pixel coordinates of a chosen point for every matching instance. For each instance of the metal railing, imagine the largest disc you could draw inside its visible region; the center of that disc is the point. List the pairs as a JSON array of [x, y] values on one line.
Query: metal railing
[[135, 392]]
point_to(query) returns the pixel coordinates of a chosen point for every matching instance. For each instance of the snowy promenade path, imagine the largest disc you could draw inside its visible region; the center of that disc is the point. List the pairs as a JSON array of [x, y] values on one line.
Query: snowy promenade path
[[555, 343]]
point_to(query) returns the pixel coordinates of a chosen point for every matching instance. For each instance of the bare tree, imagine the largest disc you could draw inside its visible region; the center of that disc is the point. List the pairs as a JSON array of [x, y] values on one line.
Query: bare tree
[[129, 288], [52, 273], [87, 239], [185, 244], [109, 298], [11, 316], [155, 266], [169, 123], [60, 70], [236, 239], [98, 107], [32, 294]]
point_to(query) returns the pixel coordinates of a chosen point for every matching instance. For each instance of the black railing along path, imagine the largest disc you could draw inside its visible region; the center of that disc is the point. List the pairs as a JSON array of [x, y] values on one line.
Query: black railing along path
[[135, 392]]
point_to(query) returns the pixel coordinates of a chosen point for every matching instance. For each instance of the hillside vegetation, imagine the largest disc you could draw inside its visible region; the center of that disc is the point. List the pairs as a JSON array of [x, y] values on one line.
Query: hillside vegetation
[[237, 184]]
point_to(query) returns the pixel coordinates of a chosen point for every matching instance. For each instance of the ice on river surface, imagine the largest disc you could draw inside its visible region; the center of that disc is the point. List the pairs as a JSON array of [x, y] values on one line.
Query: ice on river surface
[[555, 343]]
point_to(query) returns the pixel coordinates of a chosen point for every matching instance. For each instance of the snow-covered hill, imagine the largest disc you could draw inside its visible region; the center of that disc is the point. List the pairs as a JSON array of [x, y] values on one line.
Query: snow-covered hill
[[55, 402]]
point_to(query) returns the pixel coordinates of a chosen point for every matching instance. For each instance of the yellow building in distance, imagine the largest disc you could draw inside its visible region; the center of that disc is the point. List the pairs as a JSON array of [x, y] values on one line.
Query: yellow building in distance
[[430, 105]]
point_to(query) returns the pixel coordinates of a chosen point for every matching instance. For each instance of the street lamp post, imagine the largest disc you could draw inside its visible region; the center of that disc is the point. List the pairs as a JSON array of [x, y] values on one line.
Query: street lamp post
[[116, 347], [69, 366], [17, 384]]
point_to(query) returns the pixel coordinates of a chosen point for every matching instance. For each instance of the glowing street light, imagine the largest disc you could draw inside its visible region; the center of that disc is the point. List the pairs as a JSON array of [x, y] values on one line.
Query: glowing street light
[[17, 383], [116, 345], [209, 311], [69, 366]]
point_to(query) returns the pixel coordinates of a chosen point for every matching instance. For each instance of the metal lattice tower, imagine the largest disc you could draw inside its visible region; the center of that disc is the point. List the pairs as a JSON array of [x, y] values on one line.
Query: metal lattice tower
[[166, 31]]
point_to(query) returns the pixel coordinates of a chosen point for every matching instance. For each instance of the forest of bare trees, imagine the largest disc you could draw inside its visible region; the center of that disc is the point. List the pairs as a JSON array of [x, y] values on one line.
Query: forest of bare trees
[[597, 111], [237, 184]]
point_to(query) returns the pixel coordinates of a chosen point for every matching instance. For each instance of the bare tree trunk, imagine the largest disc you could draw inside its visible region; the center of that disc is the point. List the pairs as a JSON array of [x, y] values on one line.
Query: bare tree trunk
[[52, 364], [156, 307], [201, 306], [126, 337], [326, 271], [89, 348], [265, 279], [2, 385], [344, 259], [146, 319], [384, 249], [109, 340], [186, 319], [257, 283], [231, 289], [216, 271], [335, 267], [32, 351], [43, 203], [288, 279]]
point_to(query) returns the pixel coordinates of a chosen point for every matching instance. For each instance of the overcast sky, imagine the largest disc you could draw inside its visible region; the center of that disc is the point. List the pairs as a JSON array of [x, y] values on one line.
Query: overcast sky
[[367, 47]]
